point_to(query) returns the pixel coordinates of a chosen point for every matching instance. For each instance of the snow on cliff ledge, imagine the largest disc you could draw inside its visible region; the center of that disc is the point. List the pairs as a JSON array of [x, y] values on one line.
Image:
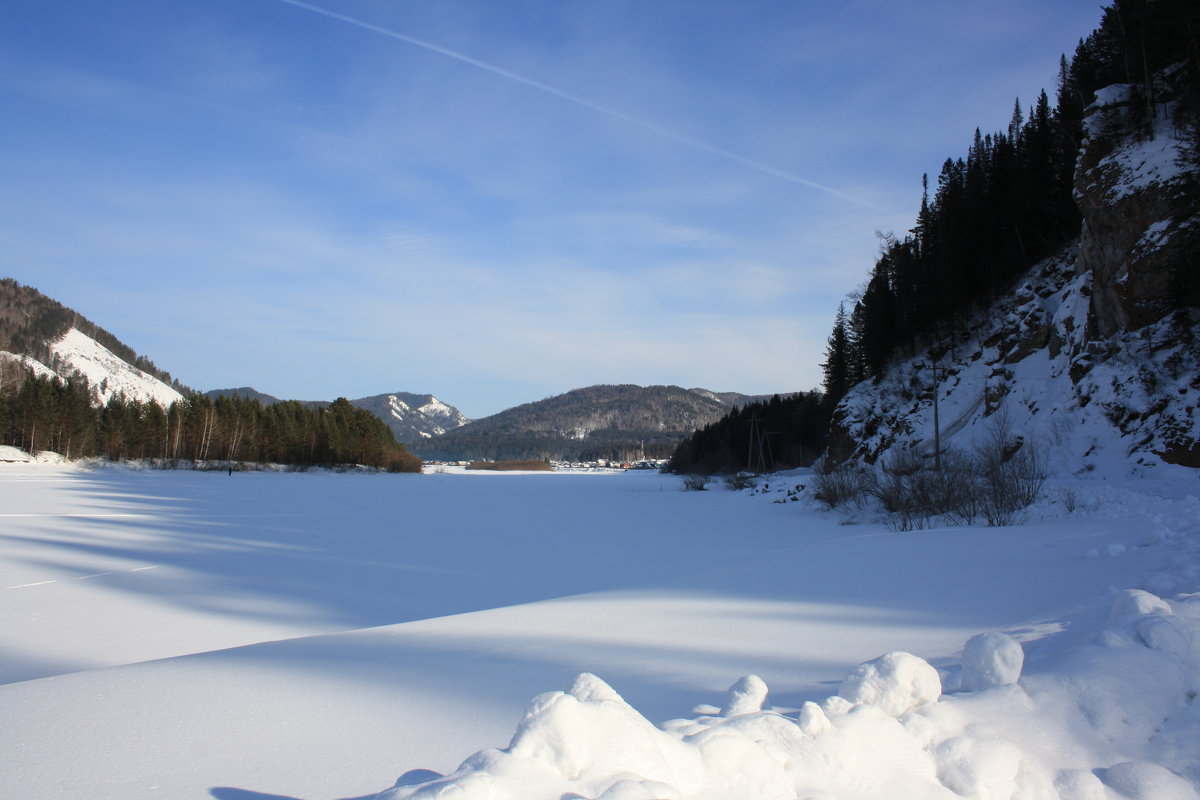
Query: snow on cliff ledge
[[108, 374]]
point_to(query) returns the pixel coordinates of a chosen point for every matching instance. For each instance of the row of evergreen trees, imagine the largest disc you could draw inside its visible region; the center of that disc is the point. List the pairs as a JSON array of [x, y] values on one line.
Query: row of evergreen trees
[[1009, 203], [46, 413], [775, 434]]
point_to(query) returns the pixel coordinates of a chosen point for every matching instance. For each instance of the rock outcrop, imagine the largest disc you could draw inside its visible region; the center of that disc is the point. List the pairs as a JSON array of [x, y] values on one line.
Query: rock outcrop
[[1137, 188]]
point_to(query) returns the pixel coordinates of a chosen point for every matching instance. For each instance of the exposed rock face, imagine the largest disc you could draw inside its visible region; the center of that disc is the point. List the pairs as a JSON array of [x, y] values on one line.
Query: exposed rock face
[[1138, 196]]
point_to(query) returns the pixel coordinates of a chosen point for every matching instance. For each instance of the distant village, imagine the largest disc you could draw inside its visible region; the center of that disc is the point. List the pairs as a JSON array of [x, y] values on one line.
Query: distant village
[[599, 465]]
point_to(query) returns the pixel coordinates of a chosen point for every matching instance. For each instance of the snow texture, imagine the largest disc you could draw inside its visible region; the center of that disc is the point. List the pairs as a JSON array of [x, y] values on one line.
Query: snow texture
[[287, 635], [107, 374]]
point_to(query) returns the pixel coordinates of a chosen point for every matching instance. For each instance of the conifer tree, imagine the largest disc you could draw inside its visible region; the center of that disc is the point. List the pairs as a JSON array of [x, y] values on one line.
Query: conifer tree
[[837, 359]]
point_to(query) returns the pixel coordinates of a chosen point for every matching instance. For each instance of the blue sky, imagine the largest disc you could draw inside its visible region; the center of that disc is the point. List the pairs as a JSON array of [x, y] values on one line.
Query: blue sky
[[490, 201]]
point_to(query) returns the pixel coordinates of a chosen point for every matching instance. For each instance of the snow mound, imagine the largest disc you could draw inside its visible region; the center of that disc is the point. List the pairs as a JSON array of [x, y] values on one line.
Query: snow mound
[[587, 739], [1136, 602], [896, 683], [991, 659], [588, 743], [747, 696], [1142, 780], [889, 732], [13, 455]]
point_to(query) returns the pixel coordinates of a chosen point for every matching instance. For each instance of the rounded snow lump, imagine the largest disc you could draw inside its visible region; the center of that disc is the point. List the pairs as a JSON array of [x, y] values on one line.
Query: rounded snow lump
[[1161, 633], [1136, 602], [747, 696], [1144, 780], [896, 683], [991, 659]]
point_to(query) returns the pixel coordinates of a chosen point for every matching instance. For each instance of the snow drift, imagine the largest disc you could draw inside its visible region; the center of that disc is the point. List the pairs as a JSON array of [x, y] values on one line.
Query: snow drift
[[1127, 697]]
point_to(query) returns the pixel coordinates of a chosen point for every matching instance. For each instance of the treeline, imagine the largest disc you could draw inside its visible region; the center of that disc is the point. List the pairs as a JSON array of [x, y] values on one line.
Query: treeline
[[609, 445], [46, 413], [764, 436], [30, 322], [1008, 204]]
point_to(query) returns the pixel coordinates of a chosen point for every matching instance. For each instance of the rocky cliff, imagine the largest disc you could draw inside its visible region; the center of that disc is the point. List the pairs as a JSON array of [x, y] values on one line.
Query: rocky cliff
[[1137, 188]]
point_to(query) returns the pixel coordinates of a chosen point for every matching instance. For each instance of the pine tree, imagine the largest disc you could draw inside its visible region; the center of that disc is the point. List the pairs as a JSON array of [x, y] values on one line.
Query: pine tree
[[837, 359]]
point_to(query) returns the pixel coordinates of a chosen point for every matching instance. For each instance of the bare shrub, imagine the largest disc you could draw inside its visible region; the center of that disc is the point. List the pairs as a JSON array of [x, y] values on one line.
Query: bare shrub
[[1000, 477], [918, 496], [741, 480], [403, 461], [1010, 472], [841, 486], [695, 483]]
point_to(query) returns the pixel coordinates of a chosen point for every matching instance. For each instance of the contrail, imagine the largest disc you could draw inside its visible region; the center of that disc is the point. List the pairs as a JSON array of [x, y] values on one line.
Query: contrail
[[542, 87]]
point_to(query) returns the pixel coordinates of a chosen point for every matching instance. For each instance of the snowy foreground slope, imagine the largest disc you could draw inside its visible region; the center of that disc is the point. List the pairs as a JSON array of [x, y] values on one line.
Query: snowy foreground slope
[[197, 635]]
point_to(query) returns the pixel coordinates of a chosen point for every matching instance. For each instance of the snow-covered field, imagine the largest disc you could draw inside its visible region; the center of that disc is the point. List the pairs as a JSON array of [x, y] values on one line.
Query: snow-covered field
[[320, 636]]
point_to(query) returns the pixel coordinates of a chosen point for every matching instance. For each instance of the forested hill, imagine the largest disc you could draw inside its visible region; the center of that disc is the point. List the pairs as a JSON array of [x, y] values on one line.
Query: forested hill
[[1010, 202], [70, 387], [1011, 315], [30, 323], [597, 422], [1071, 236], [411, 417]]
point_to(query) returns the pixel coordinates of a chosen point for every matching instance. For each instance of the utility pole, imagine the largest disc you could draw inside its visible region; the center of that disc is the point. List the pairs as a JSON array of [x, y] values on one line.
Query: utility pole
[[759, 442], [750, 450]]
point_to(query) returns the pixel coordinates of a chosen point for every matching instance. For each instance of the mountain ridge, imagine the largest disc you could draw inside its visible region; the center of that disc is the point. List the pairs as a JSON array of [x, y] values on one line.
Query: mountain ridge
[[609, 421]]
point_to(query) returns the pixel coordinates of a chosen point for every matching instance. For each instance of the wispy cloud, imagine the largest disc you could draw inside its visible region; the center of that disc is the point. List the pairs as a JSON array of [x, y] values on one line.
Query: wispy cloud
[[280, 194], [652, 127]]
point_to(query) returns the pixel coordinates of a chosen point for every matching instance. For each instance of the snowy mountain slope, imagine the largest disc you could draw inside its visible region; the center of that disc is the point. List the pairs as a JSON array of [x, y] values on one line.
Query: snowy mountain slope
[[32, 325], [1028, 366], [76, 352], [413, 416], [22, 362]]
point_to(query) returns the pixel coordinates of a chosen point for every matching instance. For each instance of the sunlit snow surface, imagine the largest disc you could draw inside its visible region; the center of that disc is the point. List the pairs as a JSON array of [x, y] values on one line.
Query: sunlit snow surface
[[107, 373], [200, 635]]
